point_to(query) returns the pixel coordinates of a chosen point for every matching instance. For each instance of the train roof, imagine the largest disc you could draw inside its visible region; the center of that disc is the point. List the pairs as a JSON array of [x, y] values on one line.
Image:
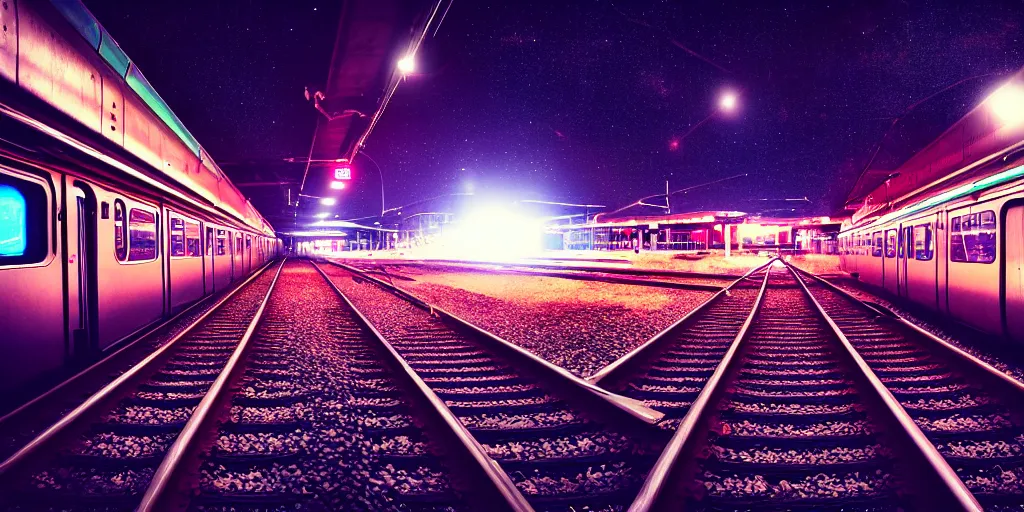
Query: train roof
[[979, 137], [220, 190]]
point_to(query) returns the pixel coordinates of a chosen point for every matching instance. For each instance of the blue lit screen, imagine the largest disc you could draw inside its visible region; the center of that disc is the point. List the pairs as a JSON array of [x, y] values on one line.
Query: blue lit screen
[[13, 222]]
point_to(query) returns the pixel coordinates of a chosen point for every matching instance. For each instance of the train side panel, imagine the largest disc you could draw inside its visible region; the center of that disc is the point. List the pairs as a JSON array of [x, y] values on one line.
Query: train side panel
[[973, 265], [131, 259], [33, 319], [184, 252]]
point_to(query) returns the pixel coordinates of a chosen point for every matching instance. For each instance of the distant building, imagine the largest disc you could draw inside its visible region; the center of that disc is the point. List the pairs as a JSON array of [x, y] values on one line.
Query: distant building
[[702, 231]]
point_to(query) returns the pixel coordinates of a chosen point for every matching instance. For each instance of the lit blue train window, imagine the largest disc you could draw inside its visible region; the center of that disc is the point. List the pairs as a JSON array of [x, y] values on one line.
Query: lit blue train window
[[13, 222], [24, 232]]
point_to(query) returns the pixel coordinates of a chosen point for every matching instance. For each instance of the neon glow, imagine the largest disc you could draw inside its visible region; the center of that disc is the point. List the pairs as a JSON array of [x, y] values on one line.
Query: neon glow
[[956, 193], [328, 201], [337, 185], [323, 215]]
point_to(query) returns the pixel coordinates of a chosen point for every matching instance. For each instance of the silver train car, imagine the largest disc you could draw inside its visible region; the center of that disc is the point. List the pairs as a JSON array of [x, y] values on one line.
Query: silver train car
[[954, 241], [112, 216]]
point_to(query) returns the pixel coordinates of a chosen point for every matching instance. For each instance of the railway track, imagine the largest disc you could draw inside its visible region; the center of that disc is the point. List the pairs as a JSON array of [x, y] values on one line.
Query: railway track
[[787, 419], [669, 370], [276, 400], [566, 444], [105, 452], [970, 411]]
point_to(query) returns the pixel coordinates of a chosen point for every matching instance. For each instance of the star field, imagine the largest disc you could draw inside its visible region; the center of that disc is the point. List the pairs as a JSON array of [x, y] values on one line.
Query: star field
[[590, 101]]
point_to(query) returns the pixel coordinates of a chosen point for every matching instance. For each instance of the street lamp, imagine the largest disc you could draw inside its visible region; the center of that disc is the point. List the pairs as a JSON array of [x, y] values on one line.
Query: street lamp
[[407, 64], [1007, 103], [727, 103]]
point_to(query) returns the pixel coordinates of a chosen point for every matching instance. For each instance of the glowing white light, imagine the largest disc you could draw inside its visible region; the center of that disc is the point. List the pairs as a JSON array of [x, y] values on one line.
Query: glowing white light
[[337, 185], [328, 201], [407, 64], [494, 233], [1007, 103], [322, 215], [728, 102]]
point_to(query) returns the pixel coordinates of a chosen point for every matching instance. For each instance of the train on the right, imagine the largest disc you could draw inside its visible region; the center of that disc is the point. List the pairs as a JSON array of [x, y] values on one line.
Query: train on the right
[[945, 230]]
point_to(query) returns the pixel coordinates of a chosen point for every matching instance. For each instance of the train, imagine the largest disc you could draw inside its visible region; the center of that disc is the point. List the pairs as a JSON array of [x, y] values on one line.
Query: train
[[112, 217], [946, 230]]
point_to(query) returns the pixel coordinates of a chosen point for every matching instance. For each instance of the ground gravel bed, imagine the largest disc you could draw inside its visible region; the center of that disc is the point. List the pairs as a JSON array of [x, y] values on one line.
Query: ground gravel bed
[[837, 455], [106, 444], [567, 446], [581, 326], [820, 486], [92, 481]]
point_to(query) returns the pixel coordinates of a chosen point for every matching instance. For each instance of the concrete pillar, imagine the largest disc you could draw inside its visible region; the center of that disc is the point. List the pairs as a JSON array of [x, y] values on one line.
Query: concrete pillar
[[728, 243], [739, 237]]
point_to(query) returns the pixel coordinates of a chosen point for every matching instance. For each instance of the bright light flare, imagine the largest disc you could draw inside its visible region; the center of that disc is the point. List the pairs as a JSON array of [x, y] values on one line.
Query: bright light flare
[[494, 233], [728, 102], [1007, 103], [337, 185], [323, 215], [407, 64], [328, 201]]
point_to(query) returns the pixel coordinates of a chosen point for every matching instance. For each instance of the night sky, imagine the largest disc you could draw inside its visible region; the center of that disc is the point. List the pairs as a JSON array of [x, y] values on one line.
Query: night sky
[[588, 101]]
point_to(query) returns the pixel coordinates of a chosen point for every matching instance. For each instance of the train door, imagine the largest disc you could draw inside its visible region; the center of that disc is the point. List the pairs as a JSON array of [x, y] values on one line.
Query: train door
[[1013, 272], [890, 262], [82, 271], [248, 254], [209, 269], [233, 251], [906, 253]]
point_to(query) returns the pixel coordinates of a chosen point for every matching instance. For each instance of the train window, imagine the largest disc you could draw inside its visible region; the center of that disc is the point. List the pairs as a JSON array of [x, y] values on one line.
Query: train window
[[238, 245], [177, 237], [141, 235], [209, 241], [222, 242], [923, 249], [974, 239], [890, 243], [192, 245], [248, 242], [23, 221], [876, 248], [120, 231]]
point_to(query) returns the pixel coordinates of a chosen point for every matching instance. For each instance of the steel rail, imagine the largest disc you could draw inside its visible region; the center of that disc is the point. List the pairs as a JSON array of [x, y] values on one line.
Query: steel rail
[[31, 408], [626, 365], [657, 490], [627, 412], [491, 486], [171, 468], [943, 489], [966, 361], [101, 398]]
